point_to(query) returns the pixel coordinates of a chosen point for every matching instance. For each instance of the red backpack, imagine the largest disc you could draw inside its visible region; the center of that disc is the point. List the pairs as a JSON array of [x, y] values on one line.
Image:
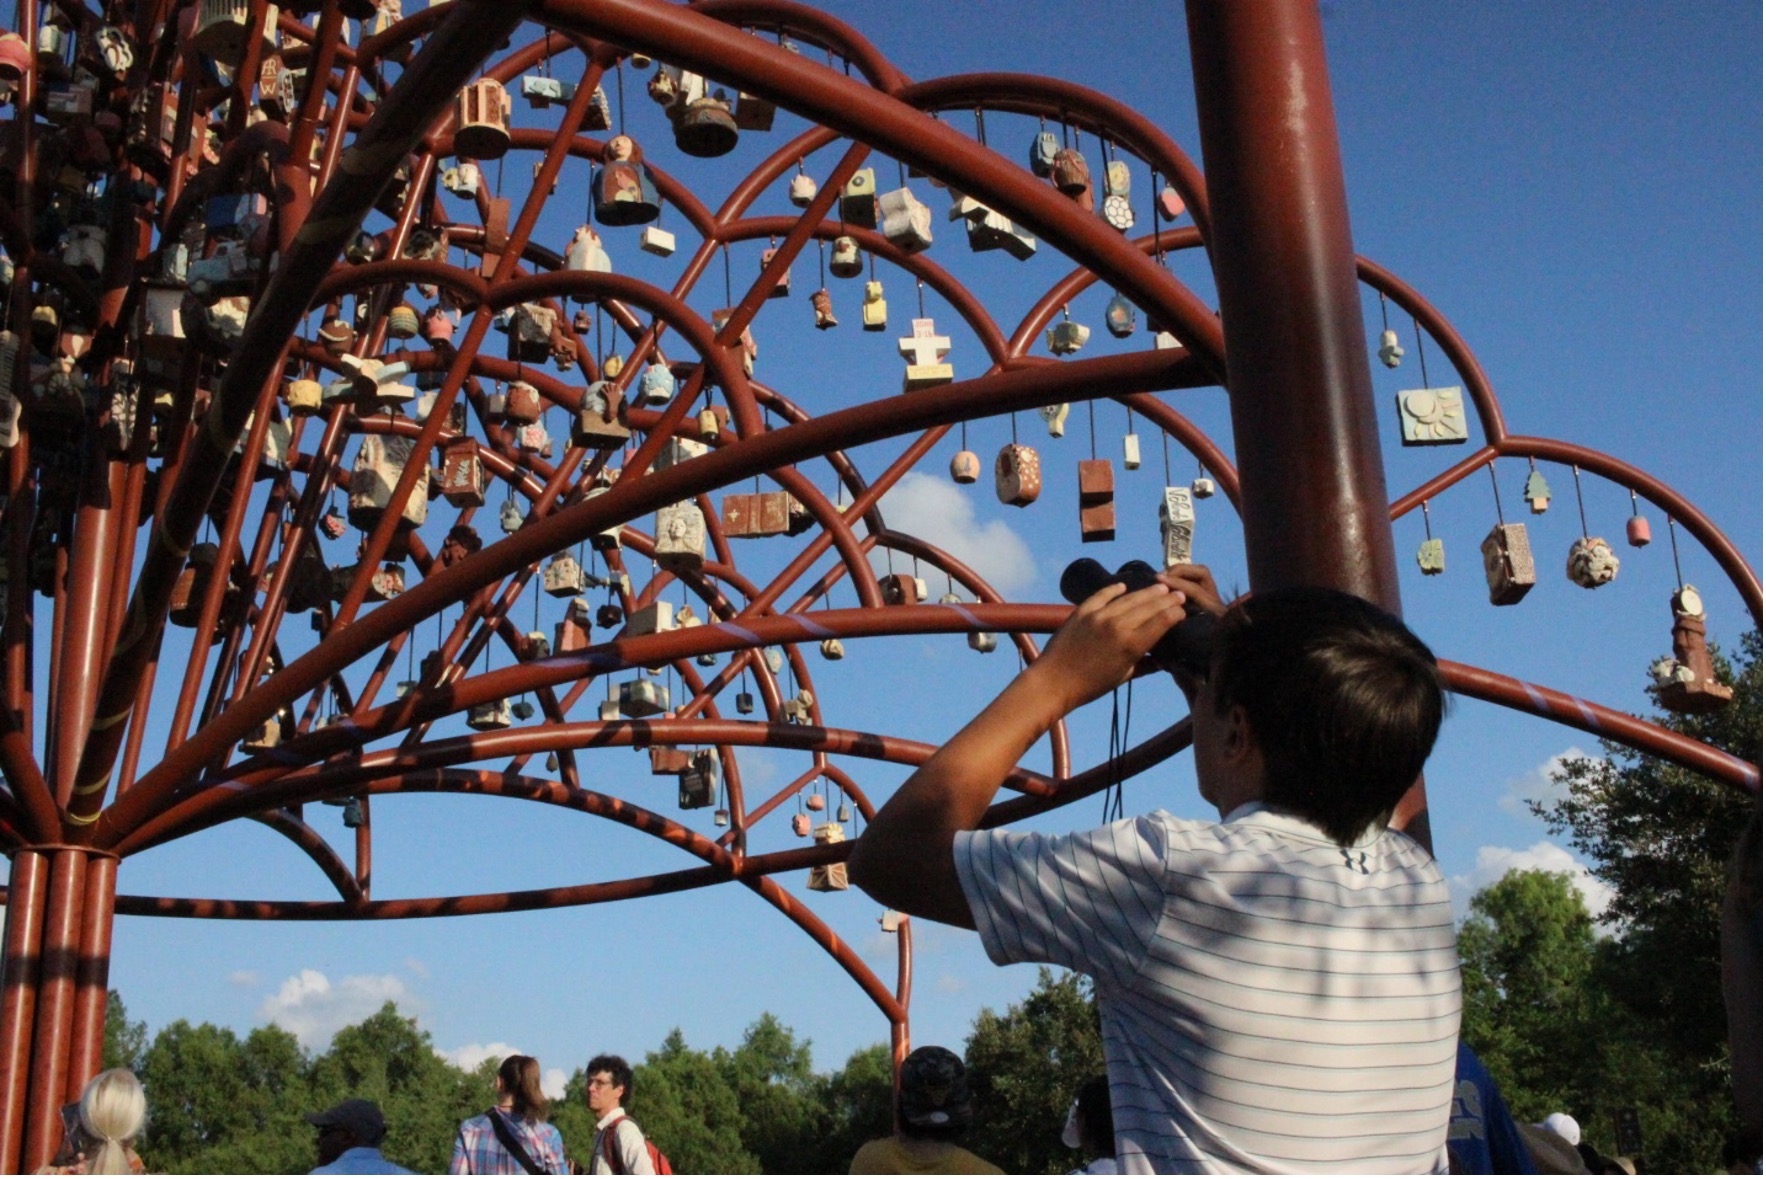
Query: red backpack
[[658, 1160]]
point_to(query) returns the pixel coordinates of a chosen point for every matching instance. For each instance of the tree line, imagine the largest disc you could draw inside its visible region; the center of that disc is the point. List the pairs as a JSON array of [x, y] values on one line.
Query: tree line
[[1565, 1016]]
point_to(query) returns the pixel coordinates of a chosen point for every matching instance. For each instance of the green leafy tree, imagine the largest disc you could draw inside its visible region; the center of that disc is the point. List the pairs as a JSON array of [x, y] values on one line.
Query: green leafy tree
[[125, 1042], [858, 1103], [1025, 1066], [389, 1060], [1661, 836], [219, 1106], [1528, 959], [773, 1075], [688, 1107]]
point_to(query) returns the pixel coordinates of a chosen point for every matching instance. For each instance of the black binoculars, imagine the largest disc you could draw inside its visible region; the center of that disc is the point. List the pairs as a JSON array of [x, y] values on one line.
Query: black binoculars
[[1184, 647]]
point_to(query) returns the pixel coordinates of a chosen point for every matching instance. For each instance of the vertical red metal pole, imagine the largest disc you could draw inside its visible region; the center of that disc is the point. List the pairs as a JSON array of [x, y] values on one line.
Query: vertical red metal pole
[[92, 976], [1313, 489], [55, 1006], [27, 890]]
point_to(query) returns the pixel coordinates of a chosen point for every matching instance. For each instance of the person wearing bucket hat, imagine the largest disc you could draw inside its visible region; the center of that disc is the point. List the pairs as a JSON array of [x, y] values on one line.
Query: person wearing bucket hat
[[350, 1134], [932, 1110]]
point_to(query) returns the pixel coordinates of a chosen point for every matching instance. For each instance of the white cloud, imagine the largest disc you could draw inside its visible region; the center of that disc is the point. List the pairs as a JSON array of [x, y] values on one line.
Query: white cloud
[[243, 978], [1496, 862], [950, 984], [1536, 784], [941, 514], [310, 1007], [471, 1056]]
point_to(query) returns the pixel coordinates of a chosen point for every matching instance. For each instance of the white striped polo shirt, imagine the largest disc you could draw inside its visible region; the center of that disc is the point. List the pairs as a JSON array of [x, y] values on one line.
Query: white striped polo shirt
[[1271, 1002]]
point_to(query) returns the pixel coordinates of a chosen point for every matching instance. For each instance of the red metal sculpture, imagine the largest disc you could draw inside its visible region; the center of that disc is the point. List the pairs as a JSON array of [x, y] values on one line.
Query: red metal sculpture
[[233, 295]]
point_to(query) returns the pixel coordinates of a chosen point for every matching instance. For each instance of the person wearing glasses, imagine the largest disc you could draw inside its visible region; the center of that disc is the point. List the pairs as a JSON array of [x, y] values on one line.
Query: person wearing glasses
[[1278, 989]]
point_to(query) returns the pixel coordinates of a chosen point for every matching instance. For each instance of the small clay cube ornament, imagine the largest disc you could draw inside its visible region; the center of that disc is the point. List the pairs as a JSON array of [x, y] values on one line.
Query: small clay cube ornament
[[1637, 531], [899, 589], [680, 538], [1131, 452], [1177, 525], [1431, 557], [858, 200], [563, 576], [1017, 475], [1508, 564], [1066, 337], [462, 474]]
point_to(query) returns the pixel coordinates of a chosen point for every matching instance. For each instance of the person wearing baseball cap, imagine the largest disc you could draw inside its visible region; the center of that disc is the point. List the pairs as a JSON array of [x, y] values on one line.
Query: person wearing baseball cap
[[932, 1111], [350, 1134]]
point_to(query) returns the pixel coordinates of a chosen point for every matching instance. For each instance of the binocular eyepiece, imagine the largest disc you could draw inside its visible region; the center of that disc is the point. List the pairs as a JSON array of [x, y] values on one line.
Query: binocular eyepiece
[[1184, 647]]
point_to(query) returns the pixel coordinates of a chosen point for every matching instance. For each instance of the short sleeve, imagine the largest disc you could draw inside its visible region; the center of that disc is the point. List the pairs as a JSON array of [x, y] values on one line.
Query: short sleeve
[[1090, 901]]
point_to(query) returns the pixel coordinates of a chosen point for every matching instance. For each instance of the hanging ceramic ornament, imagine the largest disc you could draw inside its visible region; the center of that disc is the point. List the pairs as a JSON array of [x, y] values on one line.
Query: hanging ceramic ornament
[[1043, 149], [481, 120], [876, 309], [1055, 418], [1177, 526], [1118, 212], [925, 351], [1066, 337], [586, 254], [1072, 175], [1201, 487], [1637, 527], [904, 220], [965, 466], [1431, 417], [782, 286], [707, 127], [657, 386], [680, 538], [858, 200], [1537, 493], [1686, 681], [845, 261], [1391, 351], [1097, 500], [1592, 562], [1119, 316], [833, 649], [1170, 203], [983, 642], [1431, 557], [1131, 451], [1508, 564], [803, 189], [1017, 475], [822, 303]]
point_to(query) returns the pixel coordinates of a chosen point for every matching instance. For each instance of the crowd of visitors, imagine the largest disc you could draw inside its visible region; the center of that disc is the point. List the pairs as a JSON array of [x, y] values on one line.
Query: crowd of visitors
[[1278, 991]]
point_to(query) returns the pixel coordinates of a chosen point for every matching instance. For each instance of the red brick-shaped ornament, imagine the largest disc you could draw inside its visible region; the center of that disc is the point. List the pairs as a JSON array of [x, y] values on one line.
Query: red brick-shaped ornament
[[757, 514]]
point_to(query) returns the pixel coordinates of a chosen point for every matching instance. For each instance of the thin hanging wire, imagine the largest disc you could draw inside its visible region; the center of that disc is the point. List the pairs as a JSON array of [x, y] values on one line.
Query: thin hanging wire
[[1165, 449], [1674, 544], [1496, 491], [1091, 418], [1014, 427], [1422, 357], [1576, 475], [963, 430], [980, 127], [1428, 534], [920, 291], [1384, 325], [619, 81]]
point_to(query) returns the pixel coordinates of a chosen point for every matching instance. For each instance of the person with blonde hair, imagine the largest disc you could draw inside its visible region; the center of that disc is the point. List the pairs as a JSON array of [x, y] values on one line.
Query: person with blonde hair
[[113, 1109], [513, 1136]]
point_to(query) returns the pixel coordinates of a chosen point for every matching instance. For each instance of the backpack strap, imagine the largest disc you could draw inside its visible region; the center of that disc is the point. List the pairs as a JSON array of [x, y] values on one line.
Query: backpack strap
[[610, 1145], [512, 1144]]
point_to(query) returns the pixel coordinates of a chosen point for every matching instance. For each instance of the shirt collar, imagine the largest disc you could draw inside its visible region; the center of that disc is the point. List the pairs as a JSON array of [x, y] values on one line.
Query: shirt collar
[[1295, 825], [617, 1111]]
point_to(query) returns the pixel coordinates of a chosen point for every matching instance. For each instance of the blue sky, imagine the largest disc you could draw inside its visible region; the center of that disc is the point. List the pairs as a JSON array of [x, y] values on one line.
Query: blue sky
[[1578, 189]]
